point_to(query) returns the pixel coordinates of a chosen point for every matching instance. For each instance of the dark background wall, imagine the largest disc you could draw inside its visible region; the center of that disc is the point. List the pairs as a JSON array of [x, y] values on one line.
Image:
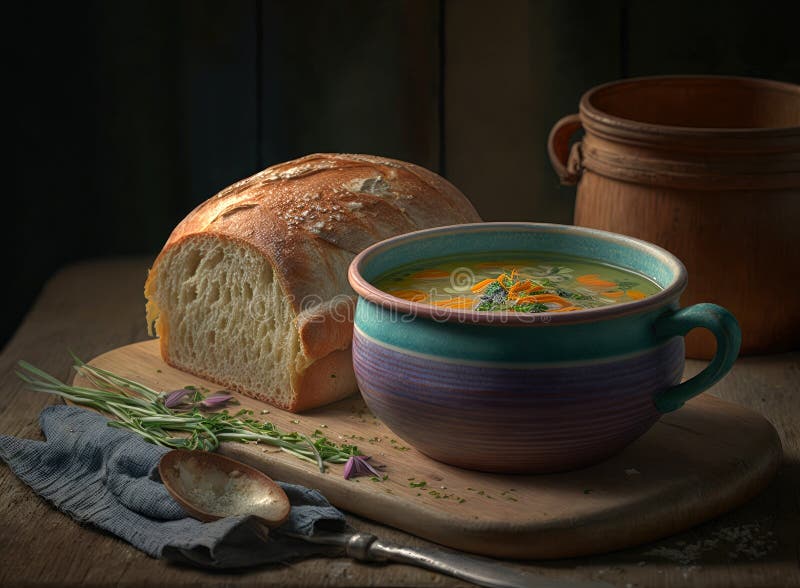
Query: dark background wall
[[127, 114]]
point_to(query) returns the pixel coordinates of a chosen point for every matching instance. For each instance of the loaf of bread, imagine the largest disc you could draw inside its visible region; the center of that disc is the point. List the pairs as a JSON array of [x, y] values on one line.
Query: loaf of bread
[[250, 290]]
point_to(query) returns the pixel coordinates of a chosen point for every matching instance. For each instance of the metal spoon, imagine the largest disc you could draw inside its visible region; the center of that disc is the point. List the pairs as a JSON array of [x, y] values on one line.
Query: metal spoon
[[210, 487]]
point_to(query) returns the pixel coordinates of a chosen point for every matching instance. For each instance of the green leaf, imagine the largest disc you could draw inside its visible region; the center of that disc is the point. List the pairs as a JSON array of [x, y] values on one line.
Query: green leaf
[[531, 307], [491, 290]]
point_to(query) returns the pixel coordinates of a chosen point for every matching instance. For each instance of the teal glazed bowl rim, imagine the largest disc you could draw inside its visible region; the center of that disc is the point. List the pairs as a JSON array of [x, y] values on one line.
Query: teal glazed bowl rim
[[672, 276]]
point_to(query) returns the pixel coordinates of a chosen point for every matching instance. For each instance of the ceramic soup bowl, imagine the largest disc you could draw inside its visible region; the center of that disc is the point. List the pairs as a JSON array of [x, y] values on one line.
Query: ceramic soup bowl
[[520, 392]]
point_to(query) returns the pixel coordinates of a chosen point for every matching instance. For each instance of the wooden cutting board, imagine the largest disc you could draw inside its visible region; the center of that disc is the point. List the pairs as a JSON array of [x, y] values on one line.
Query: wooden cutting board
[[694, 464]]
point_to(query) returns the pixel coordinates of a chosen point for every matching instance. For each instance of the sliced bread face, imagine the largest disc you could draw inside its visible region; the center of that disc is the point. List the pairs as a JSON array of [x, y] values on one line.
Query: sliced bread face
[[221, 313]]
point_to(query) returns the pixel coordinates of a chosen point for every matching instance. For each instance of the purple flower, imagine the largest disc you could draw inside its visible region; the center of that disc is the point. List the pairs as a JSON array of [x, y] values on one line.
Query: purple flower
[[357, 466], [216, 400], [178, 398], [175, 398]]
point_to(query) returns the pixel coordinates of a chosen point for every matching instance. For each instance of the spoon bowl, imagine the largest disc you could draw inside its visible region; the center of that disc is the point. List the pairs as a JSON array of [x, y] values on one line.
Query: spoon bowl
[[210, 487]]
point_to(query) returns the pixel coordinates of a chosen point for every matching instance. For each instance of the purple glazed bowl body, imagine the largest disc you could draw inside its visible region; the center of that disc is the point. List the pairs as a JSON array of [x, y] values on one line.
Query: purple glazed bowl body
[[527, 393]]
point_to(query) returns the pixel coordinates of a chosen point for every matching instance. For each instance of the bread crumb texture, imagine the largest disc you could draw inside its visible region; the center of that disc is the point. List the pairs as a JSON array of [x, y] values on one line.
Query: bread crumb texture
[[221, 314]]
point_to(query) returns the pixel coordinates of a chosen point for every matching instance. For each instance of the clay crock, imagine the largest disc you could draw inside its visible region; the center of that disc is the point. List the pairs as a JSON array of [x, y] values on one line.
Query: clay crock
[[709, 169]]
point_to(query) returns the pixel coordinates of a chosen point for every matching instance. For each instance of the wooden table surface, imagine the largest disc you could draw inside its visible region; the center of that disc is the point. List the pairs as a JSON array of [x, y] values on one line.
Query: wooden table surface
[[95, 306]]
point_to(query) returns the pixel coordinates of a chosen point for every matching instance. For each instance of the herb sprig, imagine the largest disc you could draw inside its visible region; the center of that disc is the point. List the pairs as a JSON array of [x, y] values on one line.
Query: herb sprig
[[143, 410]]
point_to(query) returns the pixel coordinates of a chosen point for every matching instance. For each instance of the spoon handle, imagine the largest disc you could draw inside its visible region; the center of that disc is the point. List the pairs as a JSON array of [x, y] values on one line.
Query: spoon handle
[[478, 570]]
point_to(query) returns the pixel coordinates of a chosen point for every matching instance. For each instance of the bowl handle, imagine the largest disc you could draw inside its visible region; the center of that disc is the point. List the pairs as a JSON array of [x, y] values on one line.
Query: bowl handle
[[725, 328], [566, 162]]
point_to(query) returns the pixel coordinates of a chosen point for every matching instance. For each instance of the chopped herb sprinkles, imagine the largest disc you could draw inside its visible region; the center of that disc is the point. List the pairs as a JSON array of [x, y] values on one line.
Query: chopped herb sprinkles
[[394, 444], [482, 493], [507, 495], [446, 496]]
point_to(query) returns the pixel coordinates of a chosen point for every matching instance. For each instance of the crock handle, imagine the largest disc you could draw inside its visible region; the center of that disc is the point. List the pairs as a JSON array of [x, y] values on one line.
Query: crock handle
[[725, 328], [565, 161]]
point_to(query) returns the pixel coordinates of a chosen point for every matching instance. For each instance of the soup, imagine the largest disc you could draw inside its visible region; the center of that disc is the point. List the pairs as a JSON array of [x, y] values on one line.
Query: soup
[[517, 284]]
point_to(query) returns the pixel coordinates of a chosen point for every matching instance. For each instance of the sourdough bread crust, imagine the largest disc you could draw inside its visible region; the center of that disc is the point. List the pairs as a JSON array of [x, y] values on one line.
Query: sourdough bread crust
[[308, 218]]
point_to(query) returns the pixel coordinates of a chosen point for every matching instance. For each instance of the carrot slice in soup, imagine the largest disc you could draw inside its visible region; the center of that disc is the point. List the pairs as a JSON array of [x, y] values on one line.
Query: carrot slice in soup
[[412, 295], [595, 280], [481, 286], [501, 279], [550, 298], [520, 287], [545, 298], [613, 294], [636, 294], [465, 303], [457, 302]]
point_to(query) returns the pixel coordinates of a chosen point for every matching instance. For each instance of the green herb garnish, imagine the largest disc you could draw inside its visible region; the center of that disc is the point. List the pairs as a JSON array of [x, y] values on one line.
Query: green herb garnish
[[626, 285], [142, 410], [530, 307]]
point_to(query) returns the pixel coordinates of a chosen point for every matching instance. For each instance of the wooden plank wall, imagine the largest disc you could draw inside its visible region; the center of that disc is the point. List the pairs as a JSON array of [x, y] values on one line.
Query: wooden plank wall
[[354, 77], [508, 76], [127, 114]]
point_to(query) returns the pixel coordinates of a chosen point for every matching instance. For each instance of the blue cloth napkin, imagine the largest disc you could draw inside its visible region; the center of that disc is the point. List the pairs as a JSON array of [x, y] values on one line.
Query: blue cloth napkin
[[107, 477]]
